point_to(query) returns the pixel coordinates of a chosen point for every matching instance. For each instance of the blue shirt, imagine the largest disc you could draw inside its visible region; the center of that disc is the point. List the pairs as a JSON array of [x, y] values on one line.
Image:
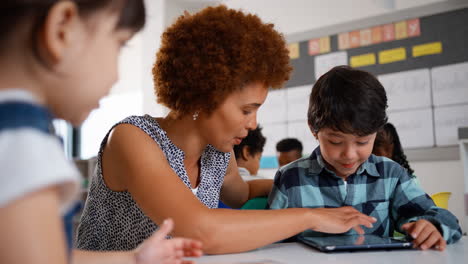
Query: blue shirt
[[380, 188]]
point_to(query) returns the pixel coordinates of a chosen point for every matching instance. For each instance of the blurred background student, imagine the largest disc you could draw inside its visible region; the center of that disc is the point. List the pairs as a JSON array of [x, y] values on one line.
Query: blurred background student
[[248, 154], [288, 150], [387, 144]]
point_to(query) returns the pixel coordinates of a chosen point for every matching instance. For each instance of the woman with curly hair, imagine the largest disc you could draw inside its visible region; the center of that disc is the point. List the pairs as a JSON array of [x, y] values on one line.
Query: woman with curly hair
[[213, 72]]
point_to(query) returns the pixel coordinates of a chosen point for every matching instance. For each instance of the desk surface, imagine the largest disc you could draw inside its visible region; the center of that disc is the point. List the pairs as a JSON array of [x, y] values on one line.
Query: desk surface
[[297, 253]]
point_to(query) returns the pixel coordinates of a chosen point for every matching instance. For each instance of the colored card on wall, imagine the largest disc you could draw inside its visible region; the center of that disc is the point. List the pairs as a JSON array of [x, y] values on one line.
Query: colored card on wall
[[293, 50], [401, 30], [366, 37], [427, 49], [362, 60], [414, 28], [376, 34], [354, 39], [392, 55], [343, 41], [388, 32], [324, 44], [314, 47]]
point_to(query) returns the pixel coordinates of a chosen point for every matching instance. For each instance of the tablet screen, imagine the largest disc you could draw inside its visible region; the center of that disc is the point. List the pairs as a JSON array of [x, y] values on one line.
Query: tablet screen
[[353, 242]]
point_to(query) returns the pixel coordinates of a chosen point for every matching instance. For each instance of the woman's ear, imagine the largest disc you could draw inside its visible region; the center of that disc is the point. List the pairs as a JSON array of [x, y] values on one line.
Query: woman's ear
[[59, 31]]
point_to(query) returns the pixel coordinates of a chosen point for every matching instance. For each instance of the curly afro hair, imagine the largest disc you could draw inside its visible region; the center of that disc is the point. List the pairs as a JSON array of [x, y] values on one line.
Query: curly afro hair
[[206, 56]]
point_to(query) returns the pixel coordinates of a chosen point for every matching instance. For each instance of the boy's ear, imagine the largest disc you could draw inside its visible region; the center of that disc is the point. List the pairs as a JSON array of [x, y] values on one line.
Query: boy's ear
[[313, 131], [245, 153], [59, 30]]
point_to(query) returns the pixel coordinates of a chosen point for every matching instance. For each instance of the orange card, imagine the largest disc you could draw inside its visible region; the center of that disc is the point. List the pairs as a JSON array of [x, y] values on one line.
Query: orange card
[[314, 46], [388, 32], [354, 39], [376, 34], [414, 29], [343, 41], [366, 37]]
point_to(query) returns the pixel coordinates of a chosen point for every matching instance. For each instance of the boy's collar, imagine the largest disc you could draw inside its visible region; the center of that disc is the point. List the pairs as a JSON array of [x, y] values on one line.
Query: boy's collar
[[319, 164]]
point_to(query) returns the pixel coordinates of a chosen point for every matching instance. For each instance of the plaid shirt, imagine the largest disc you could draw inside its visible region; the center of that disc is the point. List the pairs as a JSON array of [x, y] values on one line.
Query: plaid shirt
[[380, 188]]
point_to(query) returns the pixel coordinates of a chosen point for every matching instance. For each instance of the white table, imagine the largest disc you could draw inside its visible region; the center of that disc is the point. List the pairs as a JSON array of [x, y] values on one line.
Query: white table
[[297, 253]]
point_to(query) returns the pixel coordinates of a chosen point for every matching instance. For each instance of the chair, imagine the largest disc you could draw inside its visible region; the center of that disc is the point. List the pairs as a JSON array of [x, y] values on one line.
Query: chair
[[258, 203], [441, 199]]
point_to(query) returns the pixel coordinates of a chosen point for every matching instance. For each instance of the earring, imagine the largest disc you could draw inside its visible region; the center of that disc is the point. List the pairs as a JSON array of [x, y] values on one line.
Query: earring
[[195, 115]]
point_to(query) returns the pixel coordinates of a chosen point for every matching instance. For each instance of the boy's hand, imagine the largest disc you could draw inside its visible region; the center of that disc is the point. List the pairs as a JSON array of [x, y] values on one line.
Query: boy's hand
[[425, 235], [340, 220], [158, 249]]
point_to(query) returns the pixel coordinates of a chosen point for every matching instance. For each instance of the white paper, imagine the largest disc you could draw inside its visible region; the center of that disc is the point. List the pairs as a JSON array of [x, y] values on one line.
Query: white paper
[[447, 121], [450, 84], [273, 133], [274, 108], [414, 127], [324, 63], [407, 90], [298, 102], [301, 131]]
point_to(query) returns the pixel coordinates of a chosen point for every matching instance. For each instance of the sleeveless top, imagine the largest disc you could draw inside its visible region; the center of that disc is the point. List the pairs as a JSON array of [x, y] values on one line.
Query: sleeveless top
[[113, 221]]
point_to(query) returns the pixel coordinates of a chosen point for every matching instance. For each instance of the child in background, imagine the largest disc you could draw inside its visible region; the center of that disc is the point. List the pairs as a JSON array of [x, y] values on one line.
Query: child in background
[[248, 154], [288, 149], [57, 59], [346, 109], [387, 144]]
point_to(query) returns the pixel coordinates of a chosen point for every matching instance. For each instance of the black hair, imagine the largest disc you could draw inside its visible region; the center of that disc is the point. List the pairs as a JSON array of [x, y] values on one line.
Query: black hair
[[132, 15], [289, 144], [254, 141], [389, 136], [348, 100]]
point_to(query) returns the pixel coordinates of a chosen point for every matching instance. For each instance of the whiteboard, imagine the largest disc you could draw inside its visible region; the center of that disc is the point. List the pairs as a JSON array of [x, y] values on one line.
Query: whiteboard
[[447, 120], [273, 133], [408, 89], [324, 63], [301, 131], [414, 127], [298, 102], [273, 109], [450, 84]]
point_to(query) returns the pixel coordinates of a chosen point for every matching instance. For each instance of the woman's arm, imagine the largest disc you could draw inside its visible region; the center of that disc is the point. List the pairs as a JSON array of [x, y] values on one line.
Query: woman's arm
[[136, 162]]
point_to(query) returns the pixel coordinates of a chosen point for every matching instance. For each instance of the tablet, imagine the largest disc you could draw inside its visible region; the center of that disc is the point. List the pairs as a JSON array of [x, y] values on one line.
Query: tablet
[[334, 243]]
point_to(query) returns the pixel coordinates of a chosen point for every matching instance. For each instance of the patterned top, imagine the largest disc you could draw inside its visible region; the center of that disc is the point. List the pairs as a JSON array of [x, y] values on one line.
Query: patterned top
[[113, 221], [380, 188]]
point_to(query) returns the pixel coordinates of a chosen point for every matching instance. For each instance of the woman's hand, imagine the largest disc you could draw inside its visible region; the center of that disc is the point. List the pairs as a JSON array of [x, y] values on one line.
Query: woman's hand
[[158, 249]]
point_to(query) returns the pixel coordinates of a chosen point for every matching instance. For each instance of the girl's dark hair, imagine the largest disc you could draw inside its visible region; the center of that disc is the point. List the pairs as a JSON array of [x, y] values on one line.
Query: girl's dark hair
[[389, 136], [15, 12], [254, 142], [348, 100]]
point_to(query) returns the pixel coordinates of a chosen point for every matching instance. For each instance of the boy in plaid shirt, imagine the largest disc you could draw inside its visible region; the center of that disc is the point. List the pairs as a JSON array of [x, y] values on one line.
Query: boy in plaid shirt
[[346, 109]]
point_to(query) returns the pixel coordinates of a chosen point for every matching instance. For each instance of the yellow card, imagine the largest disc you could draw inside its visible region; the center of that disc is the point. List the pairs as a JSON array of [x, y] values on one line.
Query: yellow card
[[362, 60], [392, 55], [401, 30], [293, 50], [324, 44], [427, 49]]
